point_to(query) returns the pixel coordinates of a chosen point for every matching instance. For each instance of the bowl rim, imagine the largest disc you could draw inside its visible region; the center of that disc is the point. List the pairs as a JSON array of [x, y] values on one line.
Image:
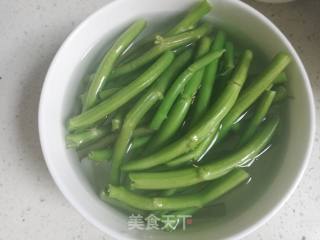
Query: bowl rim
[[244, 232]]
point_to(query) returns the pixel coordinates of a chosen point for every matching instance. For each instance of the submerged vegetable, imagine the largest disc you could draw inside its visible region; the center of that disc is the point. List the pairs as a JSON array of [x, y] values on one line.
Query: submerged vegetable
[[194, 200], [179, 85], [101, 76], [161, 115], [248, 97], [101, 111], [137, 112], [208, 125], [162, 45], [193, 175], [206, 89], [181, 107]]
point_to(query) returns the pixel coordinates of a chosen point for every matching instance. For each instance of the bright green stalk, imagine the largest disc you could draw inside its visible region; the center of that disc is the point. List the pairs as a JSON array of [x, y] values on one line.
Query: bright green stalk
[[195, 155], [108, 140], [208, 125], [202, 149], [178, 86], [192, 17], [205, 91], [189, 22], [100, 155], [139, 142], [228, 59], [80, 139], [194, 200], [227, 69], [104, 94], [102, 74], [116, 121], [184, 190], [130, 122], [254, 90], [181, 107], [101, 143], [105, 154], [138, 111], [216, 169], [259, 115], [162, 45], [280, 79], [238, 179], [101, 111], [120, 205]]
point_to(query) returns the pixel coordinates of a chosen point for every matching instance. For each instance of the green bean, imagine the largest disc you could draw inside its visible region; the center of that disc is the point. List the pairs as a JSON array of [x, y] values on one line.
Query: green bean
[[137, 112], [116, 121], [237, 176], [191, 18], [238, 125], [254, 90], [163, 44], [186, 24], [104, 94], [139, 142], [204, 147], [195, 155], [101, 143], [87, 80], [194, 175], [169, 192], [102, 74], [281, 93], [80, 139], [228, 59], [83, 97], [130, 122], [259, 115], [194, 200], [181, 107], [106, 141], [205, 91], [105, 154], [280, 79], [226, 70], [185, 190], [100, 111], [141, 132], [127, 78], [178, 86], [100, 155], [120, 205], [208, 125]]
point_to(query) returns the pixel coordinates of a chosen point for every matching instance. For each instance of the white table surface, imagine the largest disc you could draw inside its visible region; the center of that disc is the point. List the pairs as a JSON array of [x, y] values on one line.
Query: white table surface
[[31, 206]]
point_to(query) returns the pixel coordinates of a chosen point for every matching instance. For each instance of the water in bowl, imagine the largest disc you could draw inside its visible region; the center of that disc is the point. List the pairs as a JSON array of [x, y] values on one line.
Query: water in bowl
[[262, 170]]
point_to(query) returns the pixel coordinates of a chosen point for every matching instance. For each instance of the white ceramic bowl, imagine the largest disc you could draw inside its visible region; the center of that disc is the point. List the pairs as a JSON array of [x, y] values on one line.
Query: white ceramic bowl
[[81, 51]]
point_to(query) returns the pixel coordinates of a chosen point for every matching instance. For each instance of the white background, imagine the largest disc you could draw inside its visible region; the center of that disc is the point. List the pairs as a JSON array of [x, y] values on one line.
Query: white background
[[31, 207]]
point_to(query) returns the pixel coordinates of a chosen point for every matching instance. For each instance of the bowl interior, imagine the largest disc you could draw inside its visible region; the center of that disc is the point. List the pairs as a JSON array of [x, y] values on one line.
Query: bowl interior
[[274, 176]]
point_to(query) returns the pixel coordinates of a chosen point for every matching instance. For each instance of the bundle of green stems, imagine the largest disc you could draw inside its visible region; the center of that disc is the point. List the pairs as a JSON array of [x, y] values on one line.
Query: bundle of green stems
[[160, 130]]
